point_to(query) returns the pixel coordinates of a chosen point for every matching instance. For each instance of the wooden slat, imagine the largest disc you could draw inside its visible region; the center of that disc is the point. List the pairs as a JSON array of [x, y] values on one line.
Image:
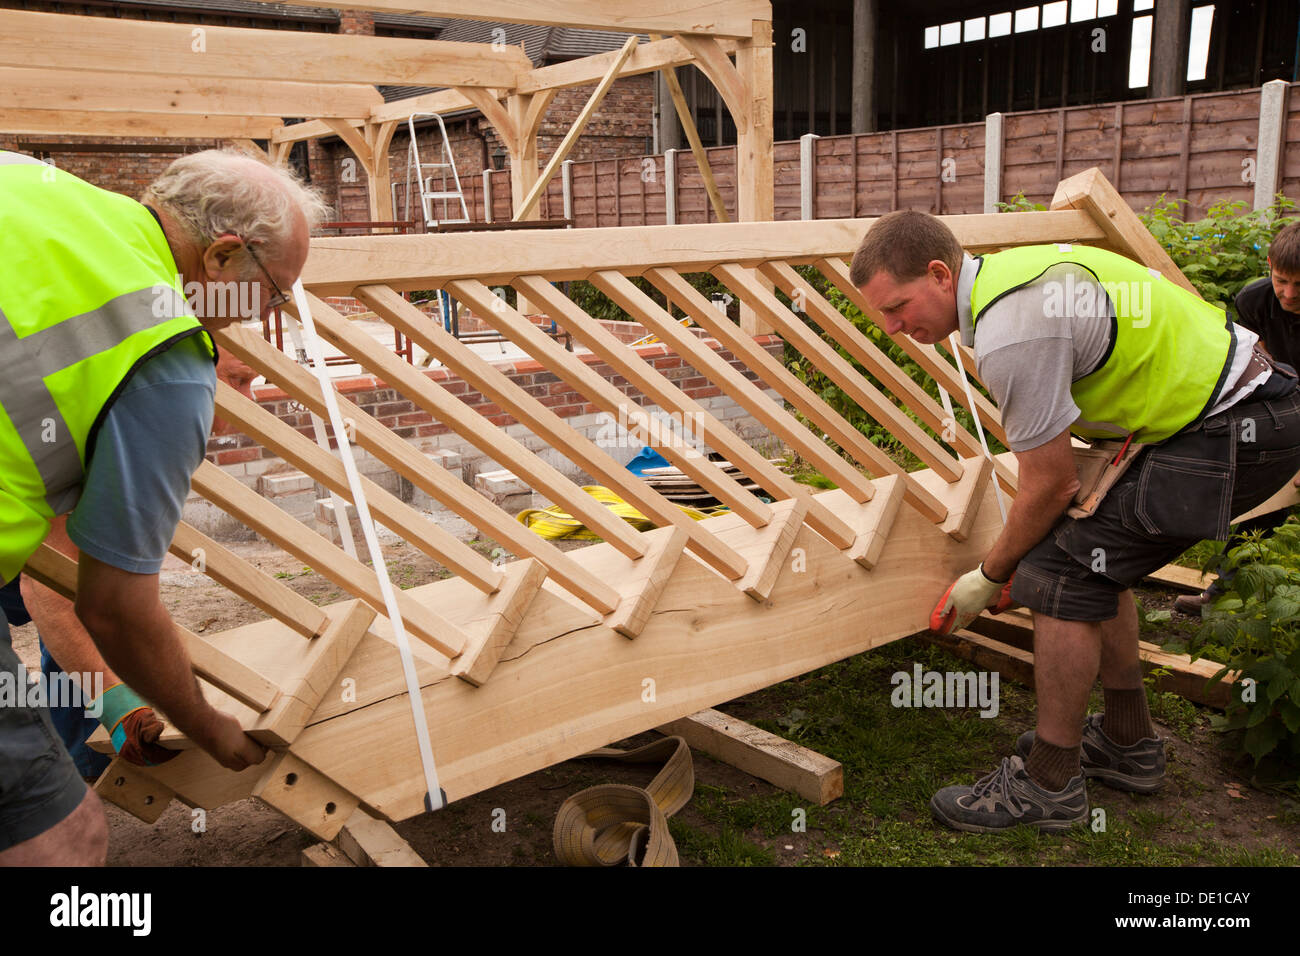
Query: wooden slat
[[673, 399], [781, 762], [444, 487], [348, 573], [790, 388], [871, 357], [392, 512], [58, 572], [504, 613], [740, 388], [301, 695], [497, 386], [651, 573], [339, 264], [493, 442], [254, 586], [237, 53]]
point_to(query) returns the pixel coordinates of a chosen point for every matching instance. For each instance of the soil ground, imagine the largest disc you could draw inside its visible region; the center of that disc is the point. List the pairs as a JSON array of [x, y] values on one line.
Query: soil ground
[[1208, 813]]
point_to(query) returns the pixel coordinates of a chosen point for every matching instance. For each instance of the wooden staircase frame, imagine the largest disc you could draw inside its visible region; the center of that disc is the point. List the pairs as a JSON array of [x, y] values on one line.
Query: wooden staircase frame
[[556, 653]]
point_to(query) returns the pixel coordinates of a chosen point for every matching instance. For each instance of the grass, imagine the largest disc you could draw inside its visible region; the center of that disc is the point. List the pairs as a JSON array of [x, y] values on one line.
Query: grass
[[896, 758]]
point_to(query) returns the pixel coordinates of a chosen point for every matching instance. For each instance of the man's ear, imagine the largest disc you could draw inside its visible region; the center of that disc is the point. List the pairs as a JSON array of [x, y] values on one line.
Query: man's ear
[[941, 273], [218, 255]]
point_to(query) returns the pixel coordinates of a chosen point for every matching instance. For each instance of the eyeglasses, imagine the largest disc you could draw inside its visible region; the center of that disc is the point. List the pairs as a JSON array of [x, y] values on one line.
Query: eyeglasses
[[279, 298]]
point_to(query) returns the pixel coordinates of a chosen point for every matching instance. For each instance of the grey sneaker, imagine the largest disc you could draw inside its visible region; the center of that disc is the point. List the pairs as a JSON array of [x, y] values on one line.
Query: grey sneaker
[[1007, 798], [1139, 768]]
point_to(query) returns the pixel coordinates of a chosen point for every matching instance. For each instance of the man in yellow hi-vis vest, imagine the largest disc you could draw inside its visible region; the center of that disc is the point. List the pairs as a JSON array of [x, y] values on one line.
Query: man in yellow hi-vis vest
[[1074, 339], [106, 397]]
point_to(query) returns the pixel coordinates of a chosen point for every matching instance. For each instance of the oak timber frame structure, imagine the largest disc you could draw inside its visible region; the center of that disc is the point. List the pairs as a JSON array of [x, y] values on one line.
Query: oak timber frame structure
[[103, 76], [556, 653]]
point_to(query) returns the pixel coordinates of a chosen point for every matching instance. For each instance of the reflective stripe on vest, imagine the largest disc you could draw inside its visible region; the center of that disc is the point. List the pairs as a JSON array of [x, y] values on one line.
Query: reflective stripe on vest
[[1169, 350]]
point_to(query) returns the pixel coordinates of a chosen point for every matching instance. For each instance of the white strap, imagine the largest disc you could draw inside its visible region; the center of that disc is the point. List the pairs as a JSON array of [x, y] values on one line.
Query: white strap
[[954, 345], [433, 798]]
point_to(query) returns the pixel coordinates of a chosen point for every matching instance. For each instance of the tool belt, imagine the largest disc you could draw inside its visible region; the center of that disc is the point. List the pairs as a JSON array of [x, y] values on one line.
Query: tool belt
[[1100, 466]]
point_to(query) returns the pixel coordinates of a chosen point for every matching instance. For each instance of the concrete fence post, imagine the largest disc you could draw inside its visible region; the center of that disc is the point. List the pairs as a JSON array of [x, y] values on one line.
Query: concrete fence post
[[1272, 127], [670, 186], [992, 161], [487, 195], [807, 176]]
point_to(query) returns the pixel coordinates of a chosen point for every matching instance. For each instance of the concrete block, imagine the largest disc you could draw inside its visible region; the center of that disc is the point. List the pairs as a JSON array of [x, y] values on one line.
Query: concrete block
[[284, 483], [327, 523], [499, 485]]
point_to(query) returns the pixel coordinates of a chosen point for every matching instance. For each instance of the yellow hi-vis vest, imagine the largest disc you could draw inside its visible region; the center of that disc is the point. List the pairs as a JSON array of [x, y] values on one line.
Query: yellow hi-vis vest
[[1169, 350], [89, 292]]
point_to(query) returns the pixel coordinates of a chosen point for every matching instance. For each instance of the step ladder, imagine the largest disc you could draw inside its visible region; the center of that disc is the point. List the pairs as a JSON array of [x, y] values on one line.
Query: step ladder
[[425, 173]]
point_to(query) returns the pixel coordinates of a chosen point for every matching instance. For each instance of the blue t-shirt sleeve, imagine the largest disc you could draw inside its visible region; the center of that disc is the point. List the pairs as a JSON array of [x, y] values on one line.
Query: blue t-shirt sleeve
[[152, 439]]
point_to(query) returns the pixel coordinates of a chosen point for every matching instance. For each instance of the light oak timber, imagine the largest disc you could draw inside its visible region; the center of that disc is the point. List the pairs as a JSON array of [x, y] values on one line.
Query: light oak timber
[[338, 264], [128, 786], [672, 399], [693, 138], [493, 442], [438, 483], [296, 538], [183, 94], [872, 520], [926, 356], [833, 322], [542, 421], [774, 373], [715, 17], [494, 112], [58, 572], [722, 373], [1186, 579], [379, 136], [300, 696], [505, 610], [652, 573], [170, 49], [872, 401], [304, 795], [354, 138], [780, 762], [389, 510], [579, 123], [600, 392], [1089, 191], [254, 586], [768, 552], [1285, 497], [366, 841], [976, 473], [553, 698], [986, 653], [659, 54], [724, 76], [312, 129], [442, 101], [523, 161], [138, 123], [324, 854]]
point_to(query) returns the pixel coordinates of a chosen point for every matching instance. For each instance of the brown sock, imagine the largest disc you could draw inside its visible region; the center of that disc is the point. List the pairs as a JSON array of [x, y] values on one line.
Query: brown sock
[[1127, 718], [1052, 767]]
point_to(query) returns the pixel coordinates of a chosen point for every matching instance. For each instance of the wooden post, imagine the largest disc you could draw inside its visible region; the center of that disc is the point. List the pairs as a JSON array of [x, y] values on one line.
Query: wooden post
[[992, 161], [808, 177], [1272, 129], [863, 106], [754, 175], [1169, 40]]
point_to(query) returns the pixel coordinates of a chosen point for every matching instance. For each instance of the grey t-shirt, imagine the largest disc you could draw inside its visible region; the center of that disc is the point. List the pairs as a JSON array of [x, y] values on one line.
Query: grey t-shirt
[[1034, 342], [152, 439]]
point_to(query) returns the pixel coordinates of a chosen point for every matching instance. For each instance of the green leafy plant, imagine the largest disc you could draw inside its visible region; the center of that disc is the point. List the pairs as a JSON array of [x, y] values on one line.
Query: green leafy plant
[[1256, 623], [1021, 203], [1222, 252]]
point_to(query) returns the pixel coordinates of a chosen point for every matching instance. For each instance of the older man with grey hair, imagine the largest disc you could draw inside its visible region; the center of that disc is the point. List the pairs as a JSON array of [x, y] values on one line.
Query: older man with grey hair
[[107, 383]]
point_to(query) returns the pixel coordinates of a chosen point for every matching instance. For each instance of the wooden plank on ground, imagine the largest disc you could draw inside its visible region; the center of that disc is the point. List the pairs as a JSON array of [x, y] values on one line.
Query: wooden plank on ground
[[1187, 579], [780, 762], [325, 854], [367, 841]]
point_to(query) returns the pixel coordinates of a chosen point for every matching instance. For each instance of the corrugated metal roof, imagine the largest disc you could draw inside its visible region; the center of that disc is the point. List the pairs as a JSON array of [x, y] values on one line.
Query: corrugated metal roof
[[411, 21]]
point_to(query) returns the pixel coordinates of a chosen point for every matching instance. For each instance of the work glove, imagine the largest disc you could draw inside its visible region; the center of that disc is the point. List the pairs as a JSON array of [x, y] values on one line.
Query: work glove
[[967, 598], [133, 726]]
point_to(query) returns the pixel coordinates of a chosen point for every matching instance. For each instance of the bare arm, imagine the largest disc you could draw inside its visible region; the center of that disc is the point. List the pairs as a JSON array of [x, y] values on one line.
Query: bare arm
[[1048, 482], [137, 638], [56, 620]]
